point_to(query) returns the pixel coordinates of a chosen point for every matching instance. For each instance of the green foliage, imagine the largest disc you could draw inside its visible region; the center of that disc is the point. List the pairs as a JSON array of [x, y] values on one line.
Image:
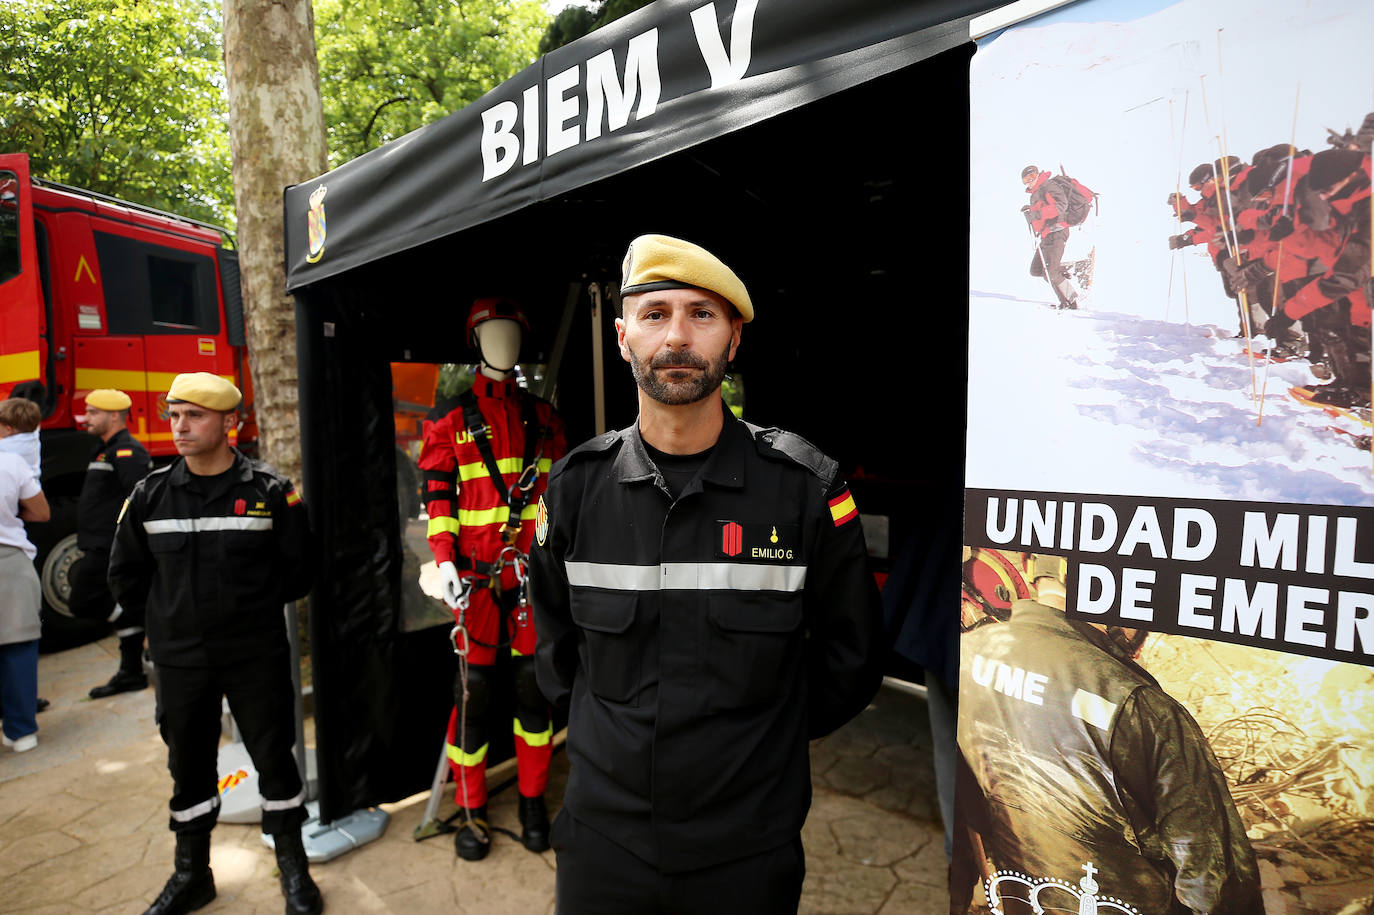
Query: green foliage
[[575, 21], [732, 392], [123, 97], [569, 25], [390, 66]]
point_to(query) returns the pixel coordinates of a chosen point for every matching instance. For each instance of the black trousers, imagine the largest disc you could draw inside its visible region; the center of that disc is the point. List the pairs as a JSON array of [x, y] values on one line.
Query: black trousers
[[259, 693], [597, 877], [91, 598]]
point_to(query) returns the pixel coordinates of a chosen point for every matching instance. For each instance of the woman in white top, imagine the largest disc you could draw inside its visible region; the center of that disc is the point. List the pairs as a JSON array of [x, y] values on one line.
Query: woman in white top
[[21, 499]]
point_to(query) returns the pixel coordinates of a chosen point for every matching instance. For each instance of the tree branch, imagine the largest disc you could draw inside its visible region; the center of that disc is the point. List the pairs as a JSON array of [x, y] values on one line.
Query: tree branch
[[376, 113]]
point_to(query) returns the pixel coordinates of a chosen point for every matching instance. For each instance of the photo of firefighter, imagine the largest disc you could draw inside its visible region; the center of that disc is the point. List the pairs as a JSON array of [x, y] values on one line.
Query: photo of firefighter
[[1113, 770]]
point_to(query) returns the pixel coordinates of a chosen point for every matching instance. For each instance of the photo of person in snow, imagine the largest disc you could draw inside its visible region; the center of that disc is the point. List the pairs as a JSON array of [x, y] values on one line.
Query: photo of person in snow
[[1057, 204], [1222, 347]]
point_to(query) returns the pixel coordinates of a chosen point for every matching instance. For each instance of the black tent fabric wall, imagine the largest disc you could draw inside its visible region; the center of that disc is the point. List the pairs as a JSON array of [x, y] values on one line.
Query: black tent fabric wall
[[857, 198]]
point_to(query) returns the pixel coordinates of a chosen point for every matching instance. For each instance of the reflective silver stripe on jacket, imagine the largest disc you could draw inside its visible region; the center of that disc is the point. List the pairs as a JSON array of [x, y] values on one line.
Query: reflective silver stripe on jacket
[[287, 804], [202, 525], [1093, 709], [99, 465], [198, 810], [686, 576]]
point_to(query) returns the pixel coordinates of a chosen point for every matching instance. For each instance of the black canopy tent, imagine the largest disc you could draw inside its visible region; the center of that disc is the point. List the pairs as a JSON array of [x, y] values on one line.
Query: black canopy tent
[[831, 172]]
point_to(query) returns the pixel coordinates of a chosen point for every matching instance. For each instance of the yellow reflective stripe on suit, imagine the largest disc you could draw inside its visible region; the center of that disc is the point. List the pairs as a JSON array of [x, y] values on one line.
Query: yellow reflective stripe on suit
[[477, 518], [474, 758], [442, 525], [540, 739], [478, 469]]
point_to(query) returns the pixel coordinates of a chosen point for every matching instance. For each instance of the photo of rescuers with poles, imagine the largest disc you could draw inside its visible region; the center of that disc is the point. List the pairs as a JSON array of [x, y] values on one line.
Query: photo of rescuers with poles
[[1289, 234], [1105, 769]]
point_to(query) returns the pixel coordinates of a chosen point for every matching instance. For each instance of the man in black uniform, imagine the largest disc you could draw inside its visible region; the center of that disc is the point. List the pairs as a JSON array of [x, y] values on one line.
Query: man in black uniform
[[704, 607], [209, 549], [1080, 763], [117, 464]]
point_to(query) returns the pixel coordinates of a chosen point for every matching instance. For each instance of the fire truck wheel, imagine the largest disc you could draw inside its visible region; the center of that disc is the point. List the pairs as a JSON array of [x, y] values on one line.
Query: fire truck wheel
[[56, 543], [54, 576]]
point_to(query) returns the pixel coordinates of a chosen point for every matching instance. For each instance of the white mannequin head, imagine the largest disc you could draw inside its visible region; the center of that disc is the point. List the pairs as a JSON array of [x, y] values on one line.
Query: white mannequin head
[[498, 342]]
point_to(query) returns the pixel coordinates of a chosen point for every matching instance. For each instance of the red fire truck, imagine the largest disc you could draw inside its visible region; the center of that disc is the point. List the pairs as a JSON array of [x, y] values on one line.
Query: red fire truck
[[102, 293]]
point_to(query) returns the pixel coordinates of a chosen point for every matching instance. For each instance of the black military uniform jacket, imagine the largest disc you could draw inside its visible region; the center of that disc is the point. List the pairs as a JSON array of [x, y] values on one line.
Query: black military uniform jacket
[[701, 642], [209, 562], [116, 465], [1083, 759]]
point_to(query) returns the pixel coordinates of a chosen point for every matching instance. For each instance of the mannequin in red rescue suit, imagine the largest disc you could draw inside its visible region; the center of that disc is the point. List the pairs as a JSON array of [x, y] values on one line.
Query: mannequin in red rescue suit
[[486, 462]]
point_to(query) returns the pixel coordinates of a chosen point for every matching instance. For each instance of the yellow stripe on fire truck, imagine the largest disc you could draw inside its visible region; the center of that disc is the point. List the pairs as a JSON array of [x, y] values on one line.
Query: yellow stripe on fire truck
[[88, 379], [19, 366]]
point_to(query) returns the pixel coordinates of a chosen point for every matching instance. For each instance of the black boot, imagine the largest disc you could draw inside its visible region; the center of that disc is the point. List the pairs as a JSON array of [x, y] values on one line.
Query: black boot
[[534, 823], [473, 839], [302, 895], [191, 885], [121, 682]]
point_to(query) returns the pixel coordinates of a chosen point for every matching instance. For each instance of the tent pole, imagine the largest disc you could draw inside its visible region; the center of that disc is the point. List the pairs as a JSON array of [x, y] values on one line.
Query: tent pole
[[549, 391], [598, 361]]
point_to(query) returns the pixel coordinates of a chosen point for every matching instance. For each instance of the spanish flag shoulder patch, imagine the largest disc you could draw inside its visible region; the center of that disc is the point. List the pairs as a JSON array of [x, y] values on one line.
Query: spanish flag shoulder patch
[[124, 452], [842, 508], [293, 497]]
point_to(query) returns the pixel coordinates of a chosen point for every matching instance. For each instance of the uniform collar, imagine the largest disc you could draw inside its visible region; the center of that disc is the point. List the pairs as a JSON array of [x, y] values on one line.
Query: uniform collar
[[482, 386], [725, 466], [117, 439], [241, 470]]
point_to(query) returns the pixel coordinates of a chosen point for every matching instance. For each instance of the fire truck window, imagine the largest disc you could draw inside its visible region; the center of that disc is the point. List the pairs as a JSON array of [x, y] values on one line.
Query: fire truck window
[[173, 291], [9, 226], [152, 289]]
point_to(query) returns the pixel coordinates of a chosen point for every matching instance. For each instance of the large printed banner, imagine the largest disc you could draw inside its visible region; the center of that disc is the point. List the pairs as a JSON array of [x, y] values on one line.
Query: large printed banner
[[1166, 697]]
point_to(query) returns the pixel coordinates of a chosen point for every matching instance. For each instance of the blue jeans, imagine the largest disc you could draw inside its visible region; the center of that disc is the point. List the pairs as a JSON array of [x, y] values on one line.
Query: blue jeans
[[19, 688]]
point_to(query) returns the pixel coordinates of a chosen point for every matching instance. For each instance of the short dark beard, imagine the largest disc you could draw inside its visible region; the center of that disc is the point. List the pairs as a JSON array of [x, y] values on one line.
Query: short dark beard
[[681, 392]]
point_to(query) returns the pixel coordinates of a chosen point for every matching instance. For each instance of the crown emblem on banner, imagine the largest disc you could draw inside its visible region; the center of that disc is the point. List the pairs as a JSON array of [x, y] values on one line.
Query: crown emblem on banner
[[1053, 890]]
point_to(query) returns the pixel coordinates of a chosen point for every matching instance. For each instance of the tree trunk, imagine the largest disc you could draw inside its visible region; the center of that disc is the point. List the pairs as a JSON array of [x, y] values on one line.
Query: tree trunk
[[277, 136]]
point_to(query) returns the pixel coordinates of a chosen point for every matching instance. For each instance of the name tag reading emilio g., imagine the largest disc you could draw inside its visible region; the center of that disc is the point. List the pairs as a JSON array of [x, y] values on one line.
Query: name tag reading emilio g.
[[764, 542]]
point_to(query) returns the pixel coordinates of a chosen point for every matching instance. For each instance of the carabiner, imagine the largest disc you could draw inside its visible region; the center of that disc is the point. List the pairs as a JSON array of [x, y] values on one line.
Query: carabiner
[[458, 634]]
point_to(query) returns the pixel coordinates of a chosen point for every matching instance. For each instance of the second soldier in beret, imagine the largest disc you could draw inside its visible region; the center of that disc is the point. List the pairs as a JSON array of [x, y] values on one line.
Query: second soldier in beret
[[704, 608], [208, 551], [118, 462]]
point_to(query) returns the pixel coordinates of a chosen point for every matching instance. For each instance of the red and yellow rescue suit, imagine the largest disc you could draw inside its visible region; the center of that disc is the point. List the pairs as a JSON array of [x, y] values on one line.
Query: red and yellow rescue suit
[[467, 511]]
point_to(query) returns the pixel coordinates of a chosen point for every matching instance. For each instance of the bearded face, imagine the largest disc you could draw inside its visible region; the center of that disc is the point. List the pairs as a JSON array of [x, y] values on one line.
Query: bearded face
[[676, 377]]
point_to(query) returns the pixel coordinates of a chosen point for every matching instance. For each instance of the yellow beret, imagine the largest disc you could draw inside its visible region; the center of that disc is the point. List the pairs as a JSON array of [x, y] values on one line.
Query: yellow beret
[[657, 262], [108, 399], [204, 390]]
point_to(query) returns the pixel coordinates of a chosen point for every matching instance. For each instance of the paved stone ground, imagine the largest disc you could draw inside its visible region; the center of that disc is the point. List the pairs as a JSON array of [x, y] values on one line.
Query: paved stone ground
[[83, 823]]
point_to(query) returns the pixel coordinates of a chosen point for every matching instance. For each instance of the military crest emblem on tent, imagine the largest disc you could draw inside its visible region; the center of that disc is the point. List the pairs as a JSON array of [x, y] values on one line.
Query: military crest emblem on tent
[[315, 225]]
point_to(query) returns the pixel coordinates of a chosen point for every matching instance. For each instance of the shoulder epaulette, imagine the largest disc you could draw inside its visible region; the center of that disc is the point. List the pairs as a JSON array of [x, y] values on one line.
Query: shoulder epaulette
[[155, 478], [776, 442], [593, 446], [264, 468]]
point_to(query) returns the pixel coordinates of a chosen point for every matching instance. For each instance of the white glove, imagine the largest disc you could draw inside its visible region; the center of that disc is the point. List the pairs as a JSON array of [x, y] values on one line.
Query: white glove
[[453, 585]]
